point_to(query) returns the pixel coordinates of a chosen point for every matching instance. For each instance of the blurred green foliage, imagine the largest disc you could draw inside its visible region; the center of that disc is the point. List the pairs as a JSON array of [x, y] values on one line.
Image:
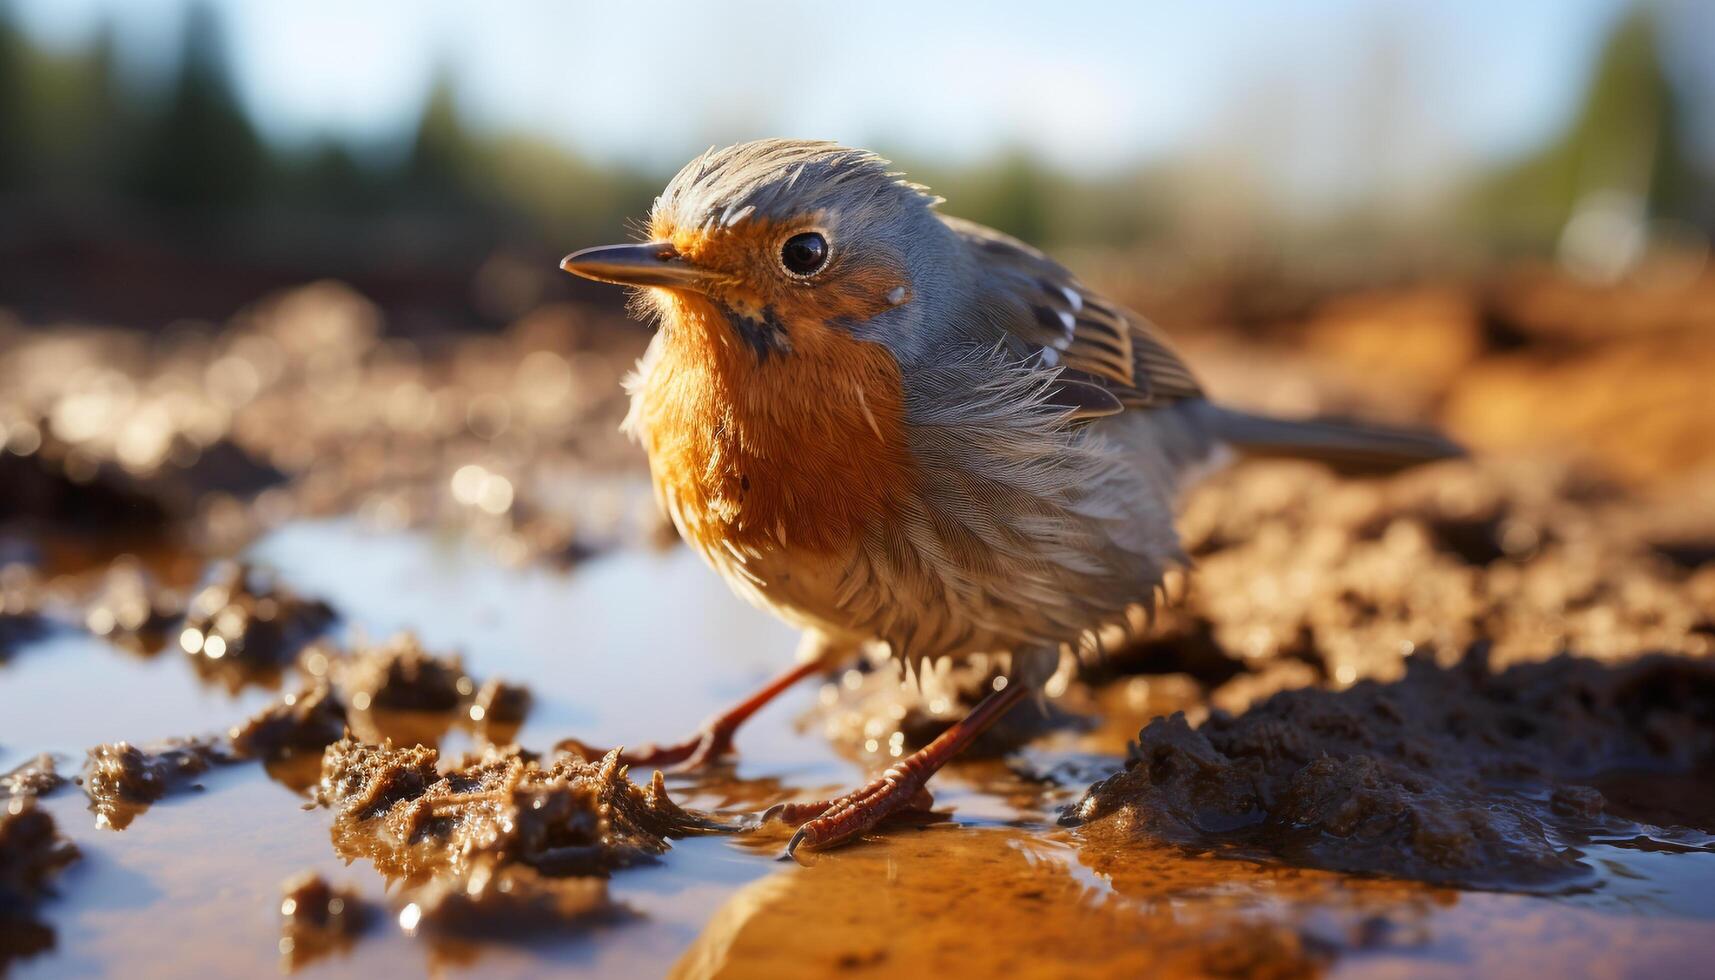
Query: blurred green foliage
[[1627, 137], [73, 134]]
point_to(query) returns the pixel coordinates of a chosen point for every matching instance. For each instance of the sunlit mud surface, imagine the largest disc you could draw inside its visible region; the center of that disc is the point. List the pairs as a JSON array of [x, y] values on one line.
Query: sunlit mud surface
[[999, 886], [1345, 746]]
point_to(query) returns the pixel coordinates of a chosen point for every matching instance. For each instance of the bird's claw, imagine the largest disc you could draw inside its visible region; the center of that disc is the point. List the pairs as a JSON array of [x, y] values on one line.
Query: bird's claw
[[829, 823]]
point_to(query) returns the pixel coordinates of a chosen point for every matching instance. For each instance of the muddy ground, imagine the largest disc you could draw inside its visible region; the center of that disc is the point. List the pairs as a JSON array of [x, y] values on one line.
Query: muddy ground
[[293, 611]]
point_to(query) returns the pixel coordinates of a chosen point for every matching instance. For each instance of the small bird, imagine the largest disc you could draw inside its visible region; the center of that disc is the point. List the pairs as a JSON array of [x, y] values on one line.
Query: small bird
[[891, 426]]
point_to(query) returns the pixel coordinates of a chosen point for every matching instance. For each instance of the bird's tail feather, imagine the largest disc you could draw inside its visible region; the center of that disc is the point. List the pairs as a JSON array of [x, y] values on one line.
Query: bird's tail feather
[[1345, 445]]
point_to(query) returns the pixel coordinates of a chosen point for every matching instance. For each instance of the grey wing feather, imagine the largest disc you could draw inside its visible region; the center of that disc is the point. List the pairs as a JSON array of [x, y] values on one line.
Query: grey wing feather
[[1346, 445], [1045, 310]]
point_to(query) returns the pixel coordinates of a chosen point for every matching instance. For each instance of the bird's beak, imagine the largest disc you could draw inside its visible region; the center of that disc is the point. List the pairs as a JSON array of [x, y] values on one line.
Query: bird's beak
[[648, 264]]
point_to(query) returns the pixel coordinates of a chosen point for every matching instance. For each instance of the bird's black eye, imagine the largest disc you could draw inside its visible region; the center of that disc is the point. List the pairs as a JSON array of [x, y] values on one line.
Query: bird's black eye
[[803, 254]]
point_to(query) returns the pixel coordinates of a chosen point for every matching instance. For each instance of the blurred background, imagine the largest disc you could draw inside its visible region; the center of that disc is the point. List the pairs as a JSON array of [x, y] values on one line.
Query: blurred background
[[309, 250], [171, 158]]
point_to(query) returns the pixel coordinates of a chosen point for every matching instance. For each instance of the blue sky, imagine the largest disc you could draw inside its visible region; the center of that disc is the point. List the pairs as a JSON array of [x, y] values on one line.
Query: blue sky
[[1087, 85]]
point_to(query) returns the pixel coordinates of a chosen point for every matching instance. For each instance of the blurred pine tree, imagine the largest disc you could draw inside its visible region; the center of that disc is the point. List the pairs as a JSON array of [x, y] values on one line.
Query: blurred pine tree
[[199, 151], [15, 139], [1627, 138]]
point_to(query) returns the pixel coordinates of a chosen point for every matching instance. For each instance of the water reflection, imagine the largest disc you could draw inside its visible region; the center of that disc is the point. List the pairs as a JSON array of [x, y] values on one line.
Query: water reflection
[[610, 659]]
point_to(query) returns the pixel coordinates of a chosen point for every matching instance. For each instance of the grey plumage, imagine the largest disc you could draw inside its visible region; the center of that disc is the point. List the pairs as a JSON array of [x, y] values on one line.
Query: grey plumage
[[1347, 446]]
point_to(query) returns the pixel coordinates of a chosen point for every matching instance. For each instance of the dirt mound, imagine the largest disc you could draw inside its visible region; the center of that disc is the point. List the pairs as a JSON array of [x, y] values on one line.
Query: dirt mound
[[501, 836], [1451, 775], [123, 780], [32, 853]]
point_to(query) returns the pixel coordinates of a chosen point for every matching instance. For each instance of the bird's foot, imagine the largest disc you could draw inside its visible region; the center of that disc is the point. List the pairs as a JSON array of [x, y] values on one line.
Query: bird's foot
[[830, 823], [709, 745], [899, 790], [712, 742]]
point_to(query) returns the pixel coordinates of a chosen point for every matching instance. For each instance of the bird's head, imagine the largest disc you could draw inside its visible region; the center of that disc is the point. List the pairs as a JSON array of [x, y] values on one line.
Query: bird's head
[[777, 240]]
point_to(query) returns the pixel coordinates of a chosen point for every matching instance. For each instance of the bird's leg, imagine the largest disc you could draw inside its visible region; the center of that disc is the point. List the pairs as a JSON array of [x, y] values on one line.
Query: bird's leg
[[714, 738], [900, 789]]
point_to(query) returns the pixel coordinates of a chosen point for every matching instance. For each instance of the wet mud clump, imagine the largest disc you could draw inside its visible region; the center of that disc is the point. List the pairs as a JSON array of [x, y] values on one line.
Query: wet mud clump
[[400, 675], [500, 836], [318, 919], [21, 618], [496, 899], [123, 780], [37, 777], [244, 627], [1348, 577], [400, 691], [32, 853], [499, 704], [877, 714], [298, 724], [1457, 776], [561, 817], [132, 610], [48, 484]]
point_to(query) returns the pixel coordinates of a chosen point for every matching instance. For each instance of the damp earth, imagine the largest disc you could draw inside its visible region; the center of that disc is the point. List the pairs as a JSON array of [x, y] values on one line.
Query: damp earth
[[294, 613]]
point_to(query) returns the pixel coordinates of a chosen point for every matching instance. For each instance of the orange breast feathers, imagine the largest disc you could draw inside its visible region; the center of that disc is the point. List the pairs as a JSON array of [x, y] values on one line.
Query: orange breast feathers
[[801, 449]]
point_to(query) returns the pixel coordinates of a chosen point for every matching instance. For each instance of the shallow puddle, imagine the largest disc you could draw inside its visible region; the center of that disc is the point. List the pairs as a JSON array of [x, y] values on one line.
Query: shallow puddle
[[640, 646]]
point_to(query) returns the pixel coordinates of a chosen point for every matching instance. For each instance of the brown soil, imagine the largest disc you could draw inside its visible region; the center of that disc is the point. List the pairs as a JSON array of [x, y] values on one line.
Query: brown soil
[[1451, 775], [399, 690], [131, 609], [564, 817], [873, 714], [122, 780], [191, 443], [499, 840], [1349, 577], [400, 675], [32, 853], [300, 406], [499, 703], [37, 777], [318, 919], [21, 617], [297, 724], [243, 628], [497, 900]]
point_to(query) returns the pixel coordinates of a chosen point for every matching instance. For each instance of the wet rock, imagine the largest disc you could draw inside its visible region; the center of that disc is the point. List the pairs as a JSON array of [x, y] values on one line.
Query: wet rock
[[32, 853], [1452, 775], [242, 625], [305, 722], [122, 780], [564, 817], [37, 777], [318, 919]]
